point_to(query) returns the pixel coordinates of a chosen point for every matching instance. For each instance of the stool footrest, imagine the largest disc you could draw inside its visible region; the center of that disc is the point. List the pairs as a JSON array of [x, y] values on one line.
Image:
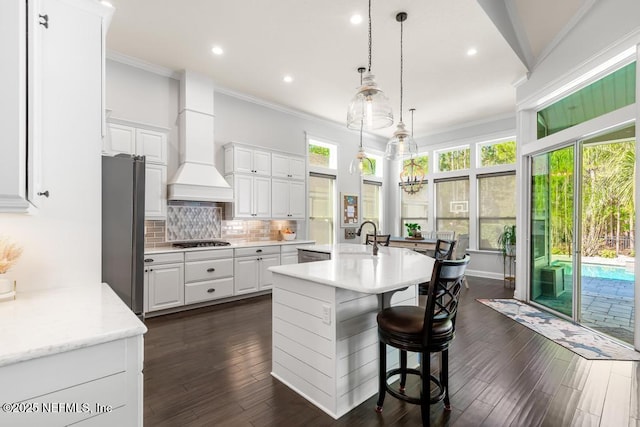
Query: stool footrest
[[412, 399]]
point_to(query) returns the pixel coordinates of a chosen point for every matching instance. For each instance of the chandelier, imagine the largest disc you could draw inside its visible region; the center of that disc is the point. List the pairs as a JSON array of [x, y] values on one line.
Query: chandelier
[[402, 144], [370, 107], [412, 174]]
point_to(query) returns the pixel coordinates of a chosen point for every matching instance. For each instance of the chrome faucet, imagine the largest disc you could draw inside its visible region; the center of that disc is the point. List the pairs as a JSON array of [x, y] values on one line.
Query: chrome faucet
[[375, 235]]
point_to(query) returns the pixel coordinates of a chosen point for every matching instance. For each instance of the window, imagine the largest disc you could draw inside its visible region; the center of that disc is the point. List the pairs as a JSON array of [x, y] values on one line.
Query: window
[[371, 193], [414, 208], [500, 153], [422, 161], [323, 154], [454, 159], [373, 169], [452, 205], [496, 207], [321, 208]]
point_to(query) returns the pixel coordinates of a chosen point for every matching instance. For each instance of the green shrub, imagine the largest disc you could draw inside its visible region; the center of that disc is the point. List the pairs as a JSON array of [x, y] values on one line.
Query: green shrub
[[607, 253]]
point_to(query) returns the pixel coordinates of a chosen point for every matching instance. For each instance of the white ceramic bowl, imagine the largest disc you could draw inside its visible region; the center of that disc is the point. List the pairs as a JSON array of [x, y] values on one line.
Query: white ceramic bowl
[[291, 236]]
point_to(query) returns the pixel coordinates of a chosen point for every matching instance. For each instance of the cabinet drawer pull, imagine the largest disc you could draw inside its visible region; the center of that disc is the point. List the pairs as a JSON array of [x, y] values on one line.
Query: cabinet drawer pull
[[43, 20], [259, 251], [148, 260], [43, 193], [211, 290], [210, 270]]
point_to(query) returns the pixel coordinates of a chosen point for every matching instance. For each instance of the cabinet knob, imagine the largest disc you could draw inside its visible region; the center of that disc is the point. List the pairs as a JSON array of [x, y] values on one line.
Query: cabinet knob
[[211, 290], [148, 260], [258, 259], [43, 193], [210, 270]]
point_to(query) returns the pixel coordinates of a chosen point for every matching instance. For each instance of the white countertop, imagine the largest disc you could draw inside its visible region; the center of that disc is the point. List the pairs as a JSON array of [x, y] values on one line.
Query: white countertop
[[41, 323], [232, 246], [355, 268]]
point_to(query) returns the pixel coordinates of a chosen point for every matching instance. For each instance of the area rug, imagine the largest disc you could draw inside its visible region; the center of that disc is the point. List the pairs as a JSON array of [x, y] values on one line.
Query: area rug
[[576, 338]]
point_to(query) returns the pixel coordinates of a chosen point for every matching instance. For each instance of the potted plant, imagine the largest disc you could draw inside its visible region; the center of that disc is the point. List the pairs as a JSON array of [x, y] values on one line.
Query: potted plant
[[413, 230], [507, 240]]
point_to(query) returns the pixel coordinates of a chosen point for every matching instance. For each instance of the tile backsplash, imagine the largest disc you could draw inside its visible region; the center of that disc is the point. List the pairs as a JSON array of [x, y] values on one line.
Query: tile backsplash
[[203, 221]]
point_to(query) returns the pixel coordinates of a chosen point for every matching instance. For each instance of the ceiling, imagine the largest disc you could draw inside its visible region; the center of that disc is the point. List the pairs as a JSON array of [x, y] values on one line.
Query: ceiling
[[317, 45]]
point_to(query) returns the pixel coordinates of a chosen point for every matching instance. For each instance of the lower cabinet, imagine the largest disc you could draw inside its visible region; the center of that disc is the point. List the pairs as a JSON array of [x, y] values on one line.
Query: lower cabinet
[[208, 275], [252, 268], [164, 281], [99, 385]]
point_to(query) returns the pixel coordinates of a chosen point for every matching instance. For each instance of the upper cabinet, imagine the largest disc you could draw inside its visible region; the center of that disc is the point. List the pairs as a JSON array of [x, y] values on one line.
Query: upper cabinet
[[134, 139], [124, 137], [53, 59], [284, 166], [241, 159]]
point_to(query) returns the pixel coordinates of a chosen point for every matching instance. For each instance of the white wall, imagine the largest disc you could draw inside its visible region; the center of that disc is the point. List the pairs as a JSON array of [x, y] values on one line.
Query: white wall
[[143, 96]]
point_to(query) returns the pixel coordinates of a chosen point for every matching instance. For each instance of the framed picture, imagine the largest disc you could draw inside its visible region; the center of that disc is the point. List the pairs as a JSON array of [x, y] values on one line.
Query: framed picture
[[349, 210]]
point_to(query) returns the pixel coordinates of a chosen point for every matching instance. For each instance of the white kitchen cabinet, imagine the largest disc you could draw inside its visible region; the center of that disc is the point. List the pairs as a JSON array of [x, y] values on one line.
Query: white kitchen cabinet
[[208, 275], [163, 281], [252, 196], [136, 140], [124, 137], [291, 167], [288, 199], [241, 159], [51, 82], [166, 286], [155, 196], [251, 268]]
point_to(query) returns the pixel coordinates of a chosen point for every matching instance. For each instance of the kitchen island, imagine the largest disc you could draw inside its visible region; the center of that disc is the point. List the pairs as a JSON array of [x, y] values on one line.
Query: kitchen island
[[70, 355], [325, 341]]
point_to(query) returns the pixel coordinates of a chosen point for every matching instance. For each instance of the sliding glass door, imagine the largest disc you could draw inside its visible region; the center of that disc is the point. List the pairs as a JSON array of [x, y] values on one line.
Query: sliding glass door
[[582, 252], [552, 219], [607, 247]]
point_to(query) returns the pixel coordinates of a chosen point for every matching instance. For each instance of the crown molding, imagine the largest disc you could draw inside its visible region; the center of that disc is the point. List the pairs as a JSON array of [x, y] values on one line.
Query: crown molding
[[143, 65]]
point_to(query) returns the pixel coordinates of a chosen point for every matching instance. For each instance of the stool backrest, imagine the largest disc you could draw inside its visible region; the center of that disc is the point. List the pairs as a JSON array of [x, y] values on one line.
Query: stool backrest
[[444, 249], [444, 293], [383, 239]]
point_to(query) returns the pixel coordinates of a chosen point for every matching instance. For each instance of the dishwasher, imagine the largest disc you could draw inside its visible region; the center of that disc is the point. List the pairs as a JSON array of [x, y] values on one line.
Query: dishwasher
[[305, 255]]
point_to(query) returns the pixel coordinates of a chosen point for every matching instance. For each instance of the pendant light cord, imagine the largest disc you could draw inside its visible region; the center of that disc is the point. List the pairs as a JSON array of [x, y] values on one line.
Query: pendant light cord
[[369, 36], [361, 70], [401, 66]]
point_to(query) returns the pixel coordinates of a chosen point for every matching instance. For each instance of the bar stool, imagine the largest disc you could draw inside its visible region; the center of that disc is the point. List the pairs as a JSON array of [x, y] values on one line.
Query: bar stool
[[422, 330]]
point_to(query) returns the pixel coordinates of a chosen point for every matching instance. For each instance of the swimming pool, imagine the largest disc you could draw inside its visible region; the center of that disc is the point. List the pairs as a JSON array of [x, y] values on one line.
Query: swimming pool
[[599, 271]]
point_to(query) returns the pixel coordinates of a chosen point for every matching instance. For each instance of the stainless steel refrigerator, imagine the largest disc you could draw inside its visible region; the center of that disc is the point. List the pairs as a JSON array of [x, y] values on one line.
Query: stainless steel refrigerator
[[123, 227]]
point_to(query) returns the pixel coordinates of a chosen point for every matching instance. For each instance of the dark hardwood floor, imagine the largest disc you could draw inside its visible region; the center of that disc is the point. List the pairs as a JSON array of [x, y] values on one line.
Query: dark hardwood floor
[[211, 367]]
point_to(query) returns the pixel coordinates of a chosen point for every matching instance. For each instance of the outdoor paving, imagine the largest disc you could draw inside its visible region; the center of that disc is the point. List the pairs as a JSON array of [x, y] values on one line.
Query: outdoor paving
[[607, 305]]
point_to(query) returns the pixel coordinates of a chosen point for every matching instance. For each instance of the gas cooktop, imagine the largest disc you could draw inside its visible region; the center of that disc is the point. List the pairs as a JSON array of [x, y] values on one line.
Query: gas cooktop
[[186, 245]]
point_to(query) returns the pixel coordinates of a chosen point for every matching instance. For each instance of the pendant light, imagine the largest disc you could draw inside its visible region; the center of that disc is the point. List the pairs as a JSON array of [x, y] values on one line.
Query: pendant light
[[402, 144], [412, 174], [361, 160], [370, 107]]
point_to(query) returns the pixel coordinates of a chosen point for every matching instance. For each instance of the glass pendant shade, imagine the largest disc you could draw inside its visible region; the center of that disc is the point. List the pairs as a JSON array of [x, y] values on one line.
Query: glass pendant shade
[[370, 107], [361, 163], [401, 145]]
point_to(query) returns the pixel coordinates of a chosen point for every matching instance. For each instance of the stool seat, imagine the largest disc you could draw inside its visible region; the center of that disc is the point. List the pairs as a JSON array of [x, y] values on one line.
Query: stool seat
[[403, 327]]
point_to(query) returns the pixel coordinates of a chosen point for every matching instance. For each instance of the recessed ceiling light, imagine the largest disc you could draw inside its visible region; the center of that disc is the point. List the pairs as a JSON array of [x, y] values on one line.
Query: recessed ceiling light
[[472, 51], [106, 3], [356, 19], [217, 50], [287, 79]]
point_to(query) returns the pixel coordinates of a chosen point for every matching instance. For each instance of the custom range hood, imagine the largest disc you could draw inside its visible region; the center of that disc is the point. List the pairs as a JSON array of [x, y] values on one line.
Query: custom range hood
[[197, 179]]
